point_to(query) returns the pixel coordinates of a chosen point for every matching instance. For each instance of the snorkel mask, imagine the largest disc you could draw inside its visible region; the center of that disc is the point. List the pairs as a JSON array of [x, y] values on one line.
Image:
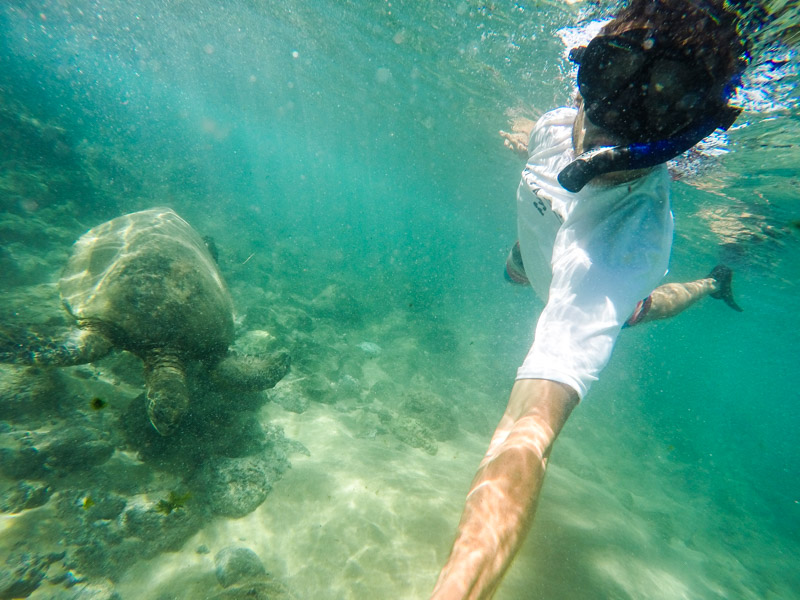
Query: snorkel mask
[[655, 96]]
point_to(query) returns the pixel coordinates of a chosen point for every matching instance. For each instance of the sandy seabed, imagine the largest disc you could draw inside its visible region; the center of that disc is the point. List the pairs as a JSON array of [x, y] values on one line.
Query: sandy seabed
[[358, 518], [373, 518]]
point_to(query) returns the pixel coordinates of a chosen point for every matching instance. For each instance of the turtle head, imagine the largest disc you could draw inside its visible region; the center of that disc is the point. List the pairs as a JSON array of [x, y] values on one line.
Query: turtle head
[[167, 395]]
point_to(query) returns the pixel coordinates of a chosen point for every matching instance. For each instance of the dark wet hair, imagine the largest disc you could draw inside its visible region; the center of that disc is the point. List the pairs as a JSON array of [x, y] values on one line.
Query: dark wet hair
[[707, 30]]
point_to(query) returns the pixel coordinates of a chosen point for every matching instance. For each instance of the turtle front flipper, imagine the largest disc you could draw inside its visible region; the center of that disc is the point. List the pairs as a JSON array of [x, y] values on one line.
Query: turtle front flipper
[[167, 394], [77, 347], [247, 373]]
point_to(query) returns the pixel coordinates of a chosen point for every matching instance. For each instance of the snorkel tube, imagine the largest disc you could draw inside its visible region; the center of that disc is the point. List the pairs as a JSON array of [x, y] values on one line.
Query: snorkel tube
[[606, 159]]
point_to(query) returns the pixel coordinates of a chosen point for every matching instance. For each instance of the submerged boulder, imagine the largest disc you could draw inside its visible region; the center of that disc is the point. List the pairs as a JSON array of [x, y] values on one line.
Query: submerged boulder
[[236, 565], [235, 487], [23, 572], [25, 495]]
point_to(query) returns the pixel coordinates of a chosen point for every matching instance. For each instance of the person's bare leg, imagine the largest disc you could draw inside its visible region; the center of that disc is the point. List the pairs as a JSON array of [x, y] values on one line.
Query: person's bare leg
[[672, 298], [502, 500]]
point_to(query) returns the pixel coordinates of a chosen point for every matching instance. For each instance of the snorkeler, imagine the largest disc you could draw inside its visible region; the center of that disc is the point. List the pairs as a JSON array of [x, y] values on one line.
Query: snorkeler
[[595, 231]]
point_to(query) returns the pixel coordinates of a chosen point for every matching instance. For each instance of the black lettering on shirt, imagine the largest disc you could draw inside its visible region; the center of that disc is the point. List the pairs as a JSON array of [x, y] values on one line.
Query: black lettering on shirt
[[538, 203]]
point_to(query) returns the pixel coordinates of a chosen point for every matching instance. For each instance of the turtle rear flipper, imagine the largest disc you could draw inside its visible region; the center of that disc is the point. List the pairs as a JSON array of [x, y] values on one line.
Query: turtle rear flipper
[[76, 347], [247, 373], [167, 394]]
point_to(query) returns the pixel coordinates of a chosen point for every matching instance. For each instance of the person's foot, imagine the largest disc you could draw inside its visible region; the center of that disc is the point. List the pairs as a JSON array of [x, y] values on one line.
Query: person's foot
[[723, 275], [515, 270]]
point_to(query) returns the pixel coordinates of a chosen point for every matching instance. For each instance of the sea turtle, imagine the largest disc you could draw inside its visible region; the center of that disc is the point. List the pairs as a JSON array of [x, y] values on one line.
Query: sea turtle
[[146, 283]]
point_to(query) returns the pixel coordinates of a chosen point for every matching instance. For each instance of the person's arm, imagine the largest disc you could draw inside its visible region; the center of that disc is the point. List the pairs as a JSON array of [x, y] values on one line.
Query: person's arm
[[502, 499]]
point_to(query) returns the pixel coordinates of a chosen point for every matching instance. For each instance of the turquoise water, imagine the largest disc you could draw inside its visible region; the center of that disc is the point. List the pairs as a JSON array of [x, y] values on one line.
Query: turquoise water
[[355, 145]]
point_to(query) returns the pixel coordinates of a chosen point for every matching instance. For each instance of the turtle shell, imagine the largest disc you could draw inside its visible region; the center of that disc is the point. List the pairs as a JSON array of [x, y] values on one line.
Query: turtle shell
[[148, 282]]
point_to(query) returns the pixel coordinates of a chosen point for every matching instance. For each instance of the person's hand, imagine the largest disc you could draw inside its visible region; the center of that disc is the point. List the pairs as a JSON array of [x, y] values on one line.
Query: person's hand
[[518, 142], [517, 139]]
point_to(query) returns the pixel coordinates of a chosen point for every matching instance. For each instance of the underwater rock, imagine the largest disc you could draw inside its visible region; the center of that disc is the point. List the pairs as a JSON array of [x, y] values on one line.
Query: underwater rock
[[236, 565], [288, 321], [27, 229], [221, 423], [25, 495], [318, 388], [289, 397], [371, 349], [335, 303], [100, 547], [255, 590], [415, 434], [433, 412], [163, 527], [241, 436], [23, 572], [295, 447], [95, 547], [96, 590], [347, 387], [101, 544], [105, 532], [34, 455], [309, 355], [365, 424], [350, 364], [385, 391], [87, 506], [75, 447], [235, 487], [19, 458], [63, 576], [420, 419], [27, 392]]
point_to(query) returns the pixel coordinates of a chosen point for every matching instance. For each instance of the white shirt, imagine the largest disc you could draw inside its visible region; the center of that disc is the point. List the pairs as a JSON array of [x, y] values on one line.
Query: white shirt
[[591, 255]]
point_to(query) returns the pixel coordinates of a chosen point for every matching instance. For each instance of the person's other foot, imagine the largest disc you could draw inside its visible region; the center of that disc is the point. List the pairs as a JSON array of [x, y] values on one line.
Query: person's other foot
[[515, 270], [723, 276]]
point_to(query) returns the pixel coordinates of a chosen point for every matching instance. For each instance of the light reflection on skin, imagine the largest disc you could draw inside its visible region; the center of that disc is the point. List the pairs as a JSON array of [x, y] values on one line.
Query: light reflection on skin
[[502, 500], [670, 299]]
